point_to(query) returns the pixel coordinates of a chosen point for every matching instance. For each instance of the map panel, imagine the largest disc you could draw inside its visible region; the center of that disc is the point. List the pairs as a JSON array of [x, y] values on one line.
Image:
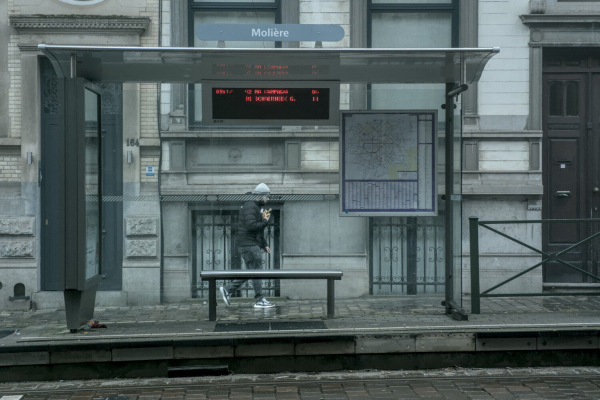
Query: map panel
[[388, 163]]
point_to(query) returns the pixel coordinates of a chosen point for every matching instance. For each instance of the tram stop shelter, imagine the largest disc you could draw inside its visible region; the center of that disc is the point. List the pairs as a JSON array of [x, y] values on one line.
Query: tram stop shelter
[[79, 215]]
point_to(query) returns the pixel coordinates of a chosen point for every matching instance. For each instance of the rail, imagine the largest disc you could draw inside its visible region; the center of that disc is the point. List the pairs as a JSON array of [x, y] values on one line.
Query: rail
[[476, 294]]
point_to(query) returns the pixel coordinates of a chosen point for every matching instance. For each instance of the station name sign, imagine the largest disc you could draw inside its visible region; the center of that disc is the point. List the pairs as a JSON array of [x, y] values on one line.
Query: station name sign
[[270, 32]]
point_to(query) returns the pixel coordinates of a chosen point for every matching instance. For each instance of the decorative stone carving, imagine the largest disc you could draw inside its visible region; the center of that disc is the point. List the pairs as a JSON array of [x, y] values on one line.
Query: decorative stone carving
[[76, 23], [235, 155], [534, 205], [17, 226], [141, 248], [537, 6], [255, 152], [16, 249], [141, 226]]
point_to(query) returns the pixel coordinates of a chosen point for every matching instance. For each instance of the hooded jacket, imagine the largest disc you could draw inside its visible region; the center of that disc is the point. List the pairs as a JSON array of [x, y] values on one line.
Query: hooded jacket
[[251, 226]]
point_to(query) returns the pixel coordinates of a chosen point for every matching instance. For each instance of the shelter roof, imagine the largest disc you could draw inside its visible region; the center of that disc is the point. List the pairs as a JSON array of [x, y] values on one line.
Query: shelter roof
[[194, 65]]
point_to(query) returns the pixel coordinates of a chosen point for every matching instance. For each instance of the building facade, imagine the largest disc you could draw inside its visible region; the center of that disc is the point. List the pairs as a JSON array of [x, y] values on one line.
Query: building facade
[[172, 186]]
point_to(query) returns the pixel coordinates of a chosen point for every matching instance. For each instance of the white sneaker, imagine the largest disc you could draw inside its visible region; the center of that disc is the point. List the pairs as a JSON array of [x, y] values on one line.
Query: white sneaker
[[225, 295], [264, 303]]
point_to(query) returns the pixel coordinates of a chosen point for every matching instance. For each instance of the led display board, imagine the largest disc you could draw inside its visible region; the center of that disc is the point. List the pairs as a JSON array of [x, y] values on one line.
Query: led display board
[[270, 103]]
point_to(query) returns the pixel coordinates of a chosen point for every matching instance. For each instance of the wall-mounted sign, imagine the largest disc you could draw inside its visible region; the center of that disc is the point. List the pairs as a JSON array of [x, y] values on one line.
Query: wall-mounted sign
[[388, 163], [150, 170], [270, 32], [270, 103]]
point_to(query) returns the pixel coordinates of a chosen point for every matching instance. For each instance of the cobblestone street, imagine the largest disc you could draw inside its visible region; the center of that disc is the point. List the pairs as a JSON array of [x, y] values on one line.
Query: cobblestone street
[[454, 383]]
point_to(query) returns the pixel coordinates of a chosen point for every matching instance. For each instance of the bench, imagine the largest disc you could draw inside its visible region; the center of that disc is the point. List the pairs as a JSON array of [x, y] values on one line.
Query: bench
[[212, 276]]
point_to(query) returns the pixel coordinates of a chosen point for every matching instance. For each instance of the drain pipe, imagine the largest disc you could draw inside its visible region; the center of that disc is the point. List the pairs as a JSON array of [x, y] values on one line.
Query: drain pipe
[[160, 213]]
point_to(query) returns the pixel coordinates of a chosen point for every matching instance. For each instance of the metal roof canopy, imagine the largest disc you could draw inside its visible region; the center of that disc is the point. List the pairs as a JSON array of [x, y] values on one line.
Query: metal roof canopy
[[193, 65]]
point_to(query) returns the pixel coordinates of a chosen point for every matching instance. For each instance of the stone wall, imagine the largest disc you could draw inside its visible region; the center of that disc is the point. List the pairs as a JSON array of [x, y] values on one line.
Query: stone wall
[[10, 164], [326, 12], [319, 155], [504, 86], [56, 23], [150, 156]]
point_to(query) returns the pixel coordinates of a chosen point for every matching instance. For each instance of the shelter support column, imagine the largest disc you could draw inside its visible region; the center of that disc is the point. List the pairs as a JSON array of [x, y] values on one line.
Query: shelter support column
[[449, 191]]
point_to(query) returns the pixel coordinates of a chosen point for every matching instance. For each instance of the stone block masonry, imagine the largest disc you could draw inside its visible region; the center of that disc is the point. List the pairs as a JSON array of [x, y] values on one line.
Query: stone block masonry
[[327, 12], [10, 166], [149, 157], [148, 112], [504, 86], [14, 89]]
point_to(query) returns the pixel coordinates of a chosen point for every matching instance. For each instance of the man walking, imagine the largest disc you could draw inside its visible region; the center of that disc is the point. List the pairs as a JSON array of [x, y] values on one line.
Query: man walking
[[250, 239]]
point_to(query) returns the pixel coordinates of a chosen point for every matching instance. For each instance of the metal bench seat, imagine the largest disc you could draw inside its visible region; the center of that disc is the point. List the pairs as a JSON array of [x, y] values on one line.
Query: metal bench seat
[[212, 276]]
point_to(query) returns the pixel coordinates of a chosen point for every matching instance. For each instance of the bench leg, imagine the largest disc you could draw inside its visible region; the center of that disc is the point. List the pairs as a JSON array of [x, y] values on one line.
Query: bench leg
[[212, 300], [330, 298]]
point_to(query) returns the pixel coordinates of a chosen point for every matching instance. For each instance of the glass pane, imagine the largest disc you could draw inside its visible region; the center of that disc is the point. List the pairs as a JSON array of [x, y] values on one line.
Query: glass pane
[[235, 1], [405, 30], [92, 187], [408, 97], [573, 98], [207, 178], [112, 154], [227, 17], [408, 30], [457, 207], [411, 1], [556, 98]]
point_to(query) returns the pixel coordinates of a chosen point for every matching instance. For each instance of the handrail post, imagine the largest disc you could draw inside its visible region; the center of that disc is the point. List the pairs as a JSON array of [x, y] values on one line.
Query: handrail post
[[212, 299], [330, 297], [474, 250]]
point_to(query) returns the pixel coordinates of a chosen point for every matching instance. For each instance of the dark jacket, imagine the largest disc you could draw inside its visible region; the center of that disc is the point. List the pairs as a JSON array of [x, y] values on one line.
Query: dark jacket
[[251, 226]]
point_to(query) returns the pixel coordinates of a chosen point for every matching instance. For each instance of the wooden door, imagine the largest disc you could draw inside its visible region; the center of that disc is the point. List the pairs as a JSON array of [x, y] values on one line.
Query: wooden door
[[566, 161]]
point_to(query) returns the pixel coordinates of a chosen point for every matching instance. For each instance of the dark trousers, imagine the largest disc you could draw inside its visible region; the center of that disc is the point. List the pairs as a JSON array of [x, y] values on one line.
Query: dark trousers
[[253, 259]]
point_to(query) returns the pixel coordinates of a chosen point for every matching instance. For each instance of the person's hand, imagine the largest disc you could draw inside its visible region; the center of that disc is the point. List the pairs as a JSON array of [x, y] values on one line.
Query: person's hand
[[266, 214], [268, 249]]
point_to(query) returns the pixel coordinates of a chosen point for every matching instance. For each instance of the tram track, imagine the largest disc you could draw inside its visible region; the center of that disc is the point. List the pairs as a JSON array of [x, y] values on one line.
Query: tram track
[[122, 385]]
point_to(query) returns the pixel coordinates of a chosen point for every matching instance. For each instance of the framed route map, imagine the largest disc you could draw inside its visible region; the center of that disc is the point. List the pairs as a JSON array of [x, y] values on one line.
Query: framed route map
[[388, 163]]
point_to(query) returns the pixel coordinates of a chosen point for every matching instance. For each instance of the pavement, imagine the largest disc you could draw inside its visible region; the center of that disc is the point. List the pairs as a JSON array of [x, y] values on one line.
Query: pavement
[[363, 315], [447, 383]]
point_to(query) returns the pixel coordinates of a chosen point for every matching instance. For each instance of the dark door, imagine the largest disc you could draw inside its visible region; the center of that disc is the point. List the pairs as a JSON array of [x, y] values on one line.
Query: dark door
[[49, 167], [567, 168]]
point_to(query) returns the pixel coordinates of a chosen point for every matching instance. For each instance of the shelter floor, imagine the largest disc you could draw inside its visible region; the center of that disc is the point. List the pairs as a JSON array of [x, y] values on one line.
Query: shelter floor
[[368, 315]]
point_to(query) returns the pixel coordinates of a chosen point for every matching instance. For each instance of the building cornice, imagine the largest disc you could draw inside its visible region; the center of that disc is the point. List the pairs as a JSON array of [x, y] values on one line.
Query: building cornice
[[105, 24], [559, 20]]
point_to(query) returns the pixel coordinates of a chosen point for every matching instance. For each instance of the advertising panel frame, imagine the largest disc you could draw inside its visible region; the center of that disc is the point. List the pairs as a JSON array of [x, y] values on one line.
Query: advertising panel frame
[[434, 168]]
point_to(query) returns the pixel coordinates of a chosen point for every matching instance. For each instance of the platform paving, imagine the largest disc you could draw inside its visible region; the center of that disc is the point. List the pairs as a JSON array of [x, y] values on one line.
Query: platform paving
[[362, 315]]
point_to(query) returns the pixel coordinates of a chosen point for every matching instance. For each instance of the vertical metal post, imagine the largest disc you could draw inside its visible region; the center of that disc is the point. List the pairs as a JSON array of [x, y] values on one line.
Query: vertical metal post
[[411, 255], [474, 250], [212, 299], [449, 191], [330, 297]]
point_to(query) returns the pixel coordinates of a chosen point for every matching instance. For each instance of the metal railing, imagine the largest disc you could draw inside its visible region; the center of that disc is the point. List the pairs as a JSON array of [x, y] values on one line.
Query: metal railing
[[476, 294]]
